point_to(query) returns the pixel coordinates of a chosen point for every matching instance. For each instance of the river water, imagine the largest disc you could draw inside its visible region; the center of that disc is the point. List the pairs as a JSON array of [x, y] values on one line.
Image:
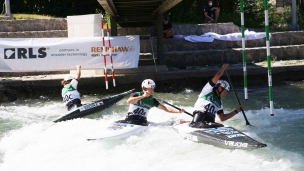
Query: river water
[[30, 141]]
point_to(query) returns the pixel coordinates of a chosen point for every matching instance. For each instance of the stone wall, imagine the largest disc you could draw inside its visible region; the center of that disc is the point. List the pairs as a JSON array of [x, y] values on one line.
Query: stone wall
[[34, 34], [183, 29], [33, 25], [57, 27], [33, 28], [7, 94], [177, 51]]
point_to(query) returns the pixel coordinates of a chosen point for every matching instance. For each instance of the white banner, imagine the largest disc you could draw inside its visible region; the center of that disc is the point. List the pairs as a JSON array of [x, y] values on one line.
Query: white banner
[[57, 54]]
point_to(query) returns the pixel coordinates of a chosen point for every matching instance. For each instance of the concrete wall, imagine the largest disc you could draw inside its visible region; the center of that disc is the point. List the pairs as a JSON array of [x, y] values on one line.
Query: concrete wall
[[84, 25]]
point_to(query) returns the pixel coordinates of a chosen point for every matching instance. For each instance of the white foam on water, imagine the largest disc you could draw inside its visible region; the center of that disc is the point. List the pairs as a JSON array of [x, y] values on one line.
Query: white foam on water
[[63, 146], [26, 113]]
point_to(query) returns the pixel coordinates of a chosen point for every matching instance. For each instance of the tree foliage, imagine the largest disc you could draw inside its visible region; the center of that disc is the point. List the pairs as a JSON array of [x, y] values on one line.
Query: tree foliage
[[58, 8], [191, 11], [187, 11]]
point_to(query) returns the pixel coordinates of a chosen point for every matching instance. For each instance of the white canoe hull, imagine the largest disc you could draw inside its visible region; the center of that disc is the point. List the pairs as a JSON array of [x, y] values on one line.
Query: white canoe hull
[[120, 130]]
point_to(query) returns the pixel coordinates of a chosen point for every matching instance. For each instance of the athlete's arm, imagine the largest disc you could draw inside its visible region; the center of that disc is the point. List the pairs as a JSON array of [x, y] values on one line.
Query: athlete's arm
[[224, 117], [219, 73], [78, 73], [169, 109], [135, 97]]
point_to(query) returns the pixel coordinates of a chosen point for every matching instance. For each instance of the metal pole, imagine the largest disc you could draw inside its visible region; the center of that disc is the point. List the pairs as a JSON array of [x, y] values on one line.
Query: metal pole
[[294, 25], [293, 10], [244, 50], [268, 57], [7, 8], [153, 56]]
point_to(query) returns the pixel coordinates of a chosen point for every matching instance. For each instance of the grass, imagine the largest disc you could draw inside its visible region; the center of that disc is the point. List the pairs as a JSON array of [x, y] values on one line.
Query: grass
[[30, 16], [280, 63]]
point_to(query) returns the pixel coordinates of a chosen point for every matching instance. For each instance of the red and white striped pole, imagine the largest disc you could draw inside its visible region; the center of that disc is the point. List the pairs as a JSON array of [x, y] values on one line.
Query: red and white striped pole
[[104, 54], [110, 52]]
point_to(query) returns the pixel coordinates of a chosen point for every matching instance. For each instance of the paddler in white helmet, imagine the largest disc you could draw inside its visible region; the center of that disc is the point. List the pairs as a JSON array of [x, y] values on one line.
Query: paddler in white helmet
[[69, 92], [141, 102], [209, 102]]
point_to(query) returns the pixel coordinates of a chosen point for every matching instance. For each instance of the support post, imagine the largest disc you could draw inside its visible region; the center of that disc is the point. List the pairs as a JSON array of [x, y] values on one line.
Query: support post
[[294, 26], [160, 40], [113, 26], [8, 8]]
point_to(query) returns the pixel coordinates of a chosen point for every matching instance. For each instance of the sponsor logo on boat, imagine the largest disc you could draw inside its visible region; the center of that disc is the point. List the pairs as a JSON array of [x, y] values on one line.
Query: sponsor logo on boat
[[234, 135], [220, 129], [224, 130], [189, 137], [115, 127], [89, 106], [118, 126], [236, 144]]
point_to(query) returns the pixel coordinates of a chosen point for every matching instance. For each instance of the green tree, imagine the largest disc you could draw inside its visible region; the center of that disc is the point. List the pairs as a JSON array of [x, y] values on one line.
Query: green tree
[[58, 8]]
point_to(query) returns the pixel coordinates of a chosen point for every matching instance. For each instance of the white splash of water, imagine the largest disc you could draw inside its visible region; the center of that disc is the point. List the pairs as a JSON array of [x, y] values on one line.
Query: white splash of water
[[63, 146]]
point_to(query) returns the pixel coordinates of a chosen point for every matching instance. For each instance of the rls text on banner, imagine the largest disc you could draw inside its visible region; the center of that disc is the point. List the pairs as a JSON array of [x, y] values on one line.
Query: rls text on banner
[[57, 54]]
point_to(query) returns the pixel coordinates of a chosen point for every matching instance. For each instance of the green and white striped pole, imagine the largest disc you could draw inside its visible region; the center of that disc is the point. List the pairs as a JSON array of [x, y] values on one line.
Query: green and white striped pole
[[243, 50], [268, 57]]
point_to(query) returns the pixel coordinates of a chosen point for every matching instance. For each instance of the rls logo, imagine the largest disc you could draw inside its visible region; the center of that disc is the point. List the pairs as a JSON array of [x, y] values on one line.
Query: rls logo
[[23, 53]]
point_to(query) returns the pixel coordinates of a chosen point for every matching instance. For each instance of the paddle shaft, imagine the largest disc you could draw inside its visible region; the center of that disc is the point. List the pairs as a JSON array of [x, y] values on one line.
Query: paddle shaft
[[175, 107], [247, 122]]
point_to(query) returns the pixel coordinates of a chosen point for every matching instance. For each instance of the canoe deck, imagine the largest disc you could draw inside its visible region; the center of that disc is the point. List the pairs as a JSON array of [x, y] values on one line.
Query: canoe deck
[[224, 137], [93, 107]]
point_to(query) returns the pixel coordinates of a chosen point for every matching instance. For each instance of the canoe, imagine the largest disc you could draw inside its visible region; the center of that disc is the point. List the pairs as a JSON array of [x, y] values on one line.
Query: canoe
[[224, 137], [120, 131], [92, 107]]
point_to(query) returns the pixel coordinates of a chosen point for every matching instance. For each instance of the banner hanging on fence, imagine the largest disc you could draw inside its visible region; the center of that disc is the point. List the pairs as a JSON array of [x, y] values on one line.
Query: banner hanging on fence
[[57, 54]]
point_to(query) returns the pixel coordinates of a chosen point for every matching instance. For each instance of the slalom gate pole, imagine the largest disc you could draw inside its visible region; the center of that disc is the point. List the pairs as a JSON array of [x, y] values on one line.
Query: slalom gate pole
[[243, 49], [153, 57], [268, 57], [104, 54], [110, 52]]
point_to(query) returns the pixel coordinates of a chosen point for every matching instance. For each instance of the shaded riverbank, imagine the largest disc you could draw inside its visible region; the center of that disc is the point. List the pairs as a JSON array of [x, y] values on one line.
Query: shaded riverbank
[[173, 79]]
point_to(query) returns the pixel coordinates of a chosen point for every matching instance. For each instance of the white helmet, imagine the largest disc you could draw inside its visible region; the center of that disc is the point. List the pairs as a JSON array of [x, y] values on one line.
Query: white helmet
[[148, 83], [68, 77], [223, 83]]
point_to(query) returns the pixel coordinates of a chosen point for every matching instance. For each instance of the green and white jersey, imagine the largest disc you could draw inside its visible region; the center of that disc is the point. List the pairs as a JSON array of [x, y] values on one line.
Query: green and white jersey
[[69, 92], [142, 106], [208, 101]]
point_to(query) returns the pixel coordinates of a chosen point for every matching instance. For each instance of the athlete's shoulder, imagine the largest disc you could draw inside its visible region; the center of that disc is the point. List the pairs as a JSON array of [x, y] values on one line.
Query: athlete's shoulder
[[155, 102]]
